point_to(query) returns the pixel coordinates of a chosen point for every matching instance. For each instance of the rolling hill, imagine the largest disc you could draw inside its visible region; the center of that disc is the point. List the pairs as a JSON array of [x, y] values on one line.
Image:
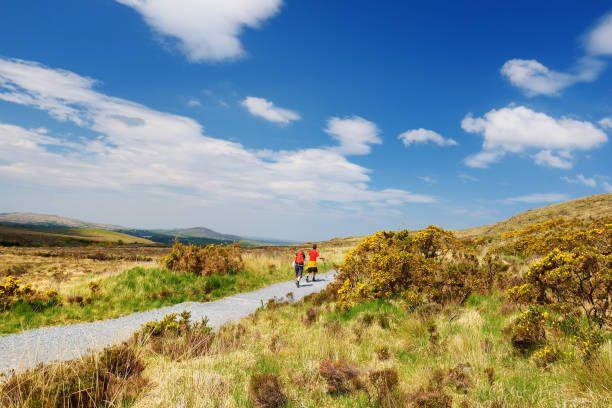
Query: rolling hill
[[592, 206], [39, 229], [46, 224], [15, 235]]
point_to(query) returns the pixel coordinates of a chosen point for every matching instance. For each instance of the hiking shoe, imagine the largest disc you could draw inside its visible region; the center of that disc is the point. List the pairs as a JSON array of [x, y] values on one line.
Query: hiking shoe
[[308, 279], [297, 284]]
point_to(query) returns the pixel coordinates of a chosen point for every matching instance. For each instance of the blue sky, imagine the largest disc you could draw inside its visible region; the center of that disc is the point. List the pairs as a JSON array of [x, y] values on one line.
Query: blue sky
[[302, 120]]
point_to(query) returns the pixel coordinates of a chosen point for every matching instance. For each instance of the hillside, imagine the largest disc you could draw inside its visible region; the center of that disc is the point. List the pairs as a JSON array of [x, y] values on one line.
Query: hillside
[[31, 236], [198, 232], [47, 220], [195, 235], [585, 207]]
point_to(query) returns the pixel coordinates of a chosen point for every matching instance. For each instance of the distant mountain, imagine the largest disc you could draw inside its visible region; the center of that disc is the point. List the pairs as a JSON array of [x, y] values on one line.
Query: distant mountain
[[45, 220], [198, 232], [195, 235]]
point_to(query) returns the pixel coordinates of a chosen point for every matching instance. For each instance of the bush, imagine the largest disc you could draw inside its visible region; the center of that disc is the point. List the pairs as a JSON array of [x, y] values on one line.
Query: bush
[[175, 338], [112, 378], [546, 356], [460, 377], [541, 238], [427, 398], [12, 294], [528, 330], [580, 278], [265, 391], [204, 261], [340, 376], [384, 382], [432, 264], [312, 313]]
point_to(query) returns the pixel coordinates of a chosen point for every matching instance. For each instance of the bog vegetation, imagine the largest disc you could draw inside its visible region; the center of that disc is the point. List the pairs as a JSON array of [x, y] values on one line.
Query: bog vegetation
[[185, 273], [419, 319]]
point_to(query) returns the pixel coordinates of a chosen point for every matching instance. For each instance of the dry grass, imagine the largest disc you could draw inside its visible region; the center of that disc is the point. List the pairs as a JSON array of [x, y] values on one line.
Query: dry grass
[[319, 366], [63, 268], [595, 206]]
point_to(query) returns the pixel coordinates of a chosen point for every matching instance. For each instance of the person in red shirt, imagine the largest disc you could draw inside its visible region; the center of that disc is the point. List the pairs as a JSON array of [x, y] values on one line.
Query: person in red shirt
[[312, 263], [298, 264]]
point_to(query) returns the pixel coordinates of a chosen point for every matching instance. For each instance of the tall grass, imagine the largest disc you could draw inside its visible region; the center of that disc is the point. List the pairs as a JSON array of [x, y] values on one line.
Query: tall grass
[[465, 361]]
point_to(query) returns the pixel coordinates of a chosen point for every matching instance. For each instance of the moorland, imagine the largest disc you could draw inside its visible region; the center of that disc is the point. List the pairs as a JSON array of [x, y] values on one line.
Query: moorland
[[516, 314]]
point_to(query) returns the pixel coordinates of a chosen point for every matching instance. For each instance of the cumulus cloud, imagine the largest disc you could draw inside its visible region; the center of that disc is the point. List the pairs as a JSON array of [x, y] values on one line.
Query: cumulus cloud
[[538, 198], [599, 40], [423, 136], [605, 123], [548, 158], [267, 110], [142, 150], [354, 134], [205, 30], [519, 129], [534, 78], [581, 179]]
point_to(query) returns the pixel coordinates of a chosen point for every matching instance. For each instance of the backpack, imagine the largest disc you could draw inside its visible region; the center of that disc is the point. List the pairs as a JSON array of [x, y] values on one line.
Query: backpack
[[299, 258]]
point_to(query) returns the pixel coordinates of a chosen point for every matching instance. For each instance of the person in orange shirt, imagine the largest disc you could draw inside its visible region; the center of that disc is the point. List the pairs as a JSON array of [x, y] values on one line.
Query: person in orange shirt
[[312, 263], [298, 264]]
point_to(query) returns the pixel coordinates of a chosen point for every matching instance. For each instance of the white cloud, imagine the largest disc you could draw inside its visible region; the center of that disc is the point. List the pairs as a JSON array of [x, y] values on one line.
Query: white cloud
[[599, 40], [519, 129], [267, 110], [605, 123], [538, 198], [581, 179], [466, 177], [205, 30], [193, 102], [483, 159], [607, 187], [423, 136], [535, 78], [354, 134], [548, 158], [428, 179], [151, 153]]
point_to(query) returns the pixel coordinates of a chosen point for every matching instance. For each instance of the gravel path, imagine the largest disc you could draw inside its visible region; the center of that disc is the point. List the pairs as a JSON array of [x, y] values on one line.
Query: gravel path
[[26, 349]]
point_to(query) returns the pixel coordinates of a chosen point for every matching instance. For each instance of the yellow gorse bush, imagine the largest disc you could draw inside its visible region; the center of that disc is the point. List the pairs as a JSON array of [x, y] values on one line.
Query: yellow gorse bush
[[12, 292], [581, 278], [547, 355], [431, 264], [541, 238]]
